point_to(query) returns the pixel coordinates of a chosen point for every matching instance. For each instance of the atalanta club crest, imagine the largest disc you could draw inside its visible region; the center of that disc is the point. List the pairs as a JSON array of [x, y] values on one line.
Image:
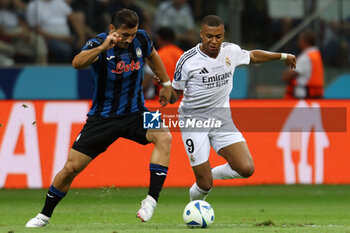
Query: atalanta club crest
[[138, 52]]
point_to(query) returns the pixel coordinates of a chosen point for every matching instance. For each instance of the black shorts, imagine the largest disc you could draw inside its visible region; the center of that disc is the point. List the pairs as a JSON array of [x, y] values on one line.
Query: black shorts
[[99, 133]]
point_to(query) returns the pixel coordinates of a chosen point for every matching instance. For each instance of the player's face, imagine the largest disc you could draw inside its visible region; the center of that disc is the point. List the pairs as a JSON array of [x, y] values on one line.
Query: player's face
[[212, 37], [127, 35]]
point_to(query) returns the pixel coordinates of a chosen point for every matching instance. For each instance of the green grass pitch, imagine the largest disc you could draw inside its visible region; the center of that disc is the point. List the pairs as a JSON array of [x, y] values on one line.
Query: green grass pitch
[[295, 208]]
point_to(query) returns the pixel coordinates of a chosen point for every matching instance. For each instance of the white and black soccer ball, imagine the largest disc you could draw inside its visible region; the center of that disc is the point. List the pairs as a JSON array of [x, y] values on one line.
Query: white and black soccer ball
[[198, 214]]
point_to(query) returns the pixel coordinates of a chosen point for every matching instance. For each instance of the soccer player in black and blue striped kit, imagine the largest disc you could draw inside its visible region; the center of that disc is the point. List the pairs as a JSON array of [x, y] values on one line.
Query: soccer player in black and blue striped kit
[[117, 60]]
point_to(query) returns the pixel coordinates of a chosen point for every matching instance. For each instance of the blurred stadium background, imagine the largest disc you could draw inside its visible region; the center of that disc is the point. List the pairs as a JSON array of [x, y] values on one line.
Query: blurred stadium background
[[44, 104], [264, 24]]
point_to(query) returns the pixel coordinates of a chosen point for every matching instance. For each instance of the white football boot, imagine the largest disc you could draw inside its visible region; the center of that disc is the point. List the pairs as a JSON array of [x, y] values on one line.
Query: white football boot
[[39, 221], [148, 205]]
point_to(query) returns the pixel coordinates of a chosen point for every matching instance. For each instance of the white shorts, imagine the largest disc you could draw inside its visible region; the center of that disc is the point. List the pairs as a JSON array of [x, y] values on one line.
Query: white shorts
[[197, 144]]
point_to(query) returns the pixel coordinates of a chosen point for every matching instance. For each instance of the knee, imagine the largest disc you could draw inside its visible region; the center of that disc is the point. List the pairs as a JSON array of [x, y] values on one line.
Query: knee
[[69, 171], [247, 170], [164, 139]]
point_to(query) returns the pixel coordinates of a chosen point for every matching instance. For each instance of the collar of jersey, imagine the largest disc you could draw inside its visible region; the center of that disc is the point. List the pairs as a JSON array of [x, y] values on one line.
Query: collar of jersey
[[200, 51]]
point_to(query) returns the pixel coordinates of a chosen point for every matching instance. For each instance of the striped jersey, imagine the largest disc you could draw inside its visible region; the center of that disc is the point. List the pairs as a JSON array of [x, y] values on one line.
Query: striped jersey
[[205, 81], [118, 76]]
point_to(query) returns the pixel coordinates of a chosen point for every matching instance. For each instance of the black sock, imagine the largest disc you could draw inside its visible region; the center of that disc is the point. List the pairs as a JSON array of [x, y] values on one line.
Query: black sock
[[158, 175], [53, 196]]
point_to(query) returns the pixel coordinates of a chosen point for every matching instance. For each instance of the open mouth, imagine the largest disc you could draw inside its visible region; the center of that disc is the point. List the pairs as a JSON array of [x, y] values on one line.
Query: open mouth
[[213, 48]]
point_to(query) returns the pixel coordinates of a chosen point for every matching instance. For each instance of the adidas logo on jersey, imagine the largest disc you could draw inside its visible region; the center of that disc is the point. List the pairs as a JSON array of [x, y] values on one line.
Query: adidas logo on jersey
[[204, 71]]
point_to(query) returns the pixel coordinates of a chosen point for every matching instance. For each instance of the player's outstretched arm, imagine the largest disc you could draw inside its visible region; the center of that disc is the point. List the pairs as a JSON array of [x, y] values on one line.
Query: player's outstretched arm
[[87, 57], [260, 56], [175, 94]]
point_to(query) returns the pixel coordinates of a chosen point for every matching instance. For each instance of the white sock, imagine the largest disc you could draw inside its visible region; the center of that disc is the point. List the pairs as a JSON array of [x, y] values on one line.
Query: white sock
[[196, 193], [224, 172]]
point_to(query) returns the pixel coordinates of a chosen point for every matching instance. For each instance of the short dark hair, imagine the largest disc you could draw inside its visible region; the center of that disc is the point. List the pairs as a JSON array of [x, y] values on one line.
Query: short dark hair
[[309, 37], [166, 33], [125, 18], [212, 21]]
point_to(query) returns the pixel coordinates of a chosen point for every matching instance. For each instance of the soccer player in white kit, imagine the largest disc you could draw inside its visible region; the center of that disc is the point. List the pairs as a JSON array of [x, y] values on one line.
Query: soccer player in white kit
[[204, 76]]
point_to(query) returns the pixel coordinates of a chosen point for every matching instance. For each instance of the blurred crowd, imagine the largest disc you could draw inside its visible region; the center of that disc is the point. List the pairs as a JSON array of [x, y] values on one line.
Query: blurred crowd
[[53, 31]]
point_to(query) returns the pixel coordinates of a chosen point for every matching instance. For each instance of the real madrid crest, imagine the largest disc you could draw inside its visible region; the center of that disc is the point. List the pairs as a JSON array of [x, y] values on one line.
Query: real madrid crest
[[228, 62], [192, 159], [138, 52]]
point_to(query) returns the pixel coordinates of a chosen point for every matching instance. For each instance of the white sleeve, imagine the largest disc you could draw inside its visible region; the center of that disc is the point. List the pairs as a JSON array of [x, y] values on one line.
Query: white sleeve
[[241, 56], [303, 68], [244, 57], [180, 75]]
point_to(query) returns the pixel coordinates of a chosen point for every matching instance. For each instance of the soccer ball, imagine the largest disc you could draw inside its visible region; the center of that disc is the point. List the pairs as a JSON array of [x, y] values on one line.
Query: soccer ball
[[198, 214]]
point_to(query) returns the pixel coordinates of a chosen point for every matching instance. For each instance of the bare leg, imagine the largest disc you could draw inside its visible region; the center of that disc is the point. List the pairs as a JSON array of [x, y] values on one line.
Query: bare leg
[[204, 182], [204, 178], [162, 144], [240, 162], [76, 163]]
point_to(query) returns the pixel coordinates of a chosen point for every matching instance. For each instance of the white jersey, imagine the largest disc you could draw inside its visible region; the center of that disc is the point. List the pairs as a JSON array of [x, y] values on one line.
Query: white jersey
[[205, 81]]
